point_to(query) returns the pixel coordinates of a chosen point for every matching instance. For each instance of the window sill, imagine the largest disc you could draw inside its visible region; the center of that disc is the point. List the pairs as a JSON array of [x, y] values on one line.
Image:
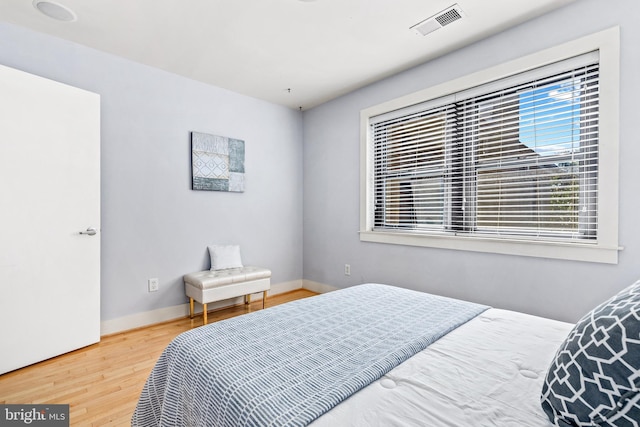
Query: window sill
[[554, 250]]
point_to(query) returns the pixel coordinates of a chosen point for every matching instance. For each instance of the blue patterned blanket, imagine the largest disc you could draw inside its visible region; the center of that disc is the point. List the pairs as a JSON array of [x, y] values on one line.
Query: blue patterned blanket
[[287, 365]]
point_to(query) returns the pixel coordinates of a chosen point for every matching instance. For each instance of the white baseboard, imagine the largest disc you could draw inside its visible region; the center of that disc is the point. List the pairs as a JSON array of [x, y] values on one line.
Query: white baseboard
[[282, 288], [320, 288], [147, 318]]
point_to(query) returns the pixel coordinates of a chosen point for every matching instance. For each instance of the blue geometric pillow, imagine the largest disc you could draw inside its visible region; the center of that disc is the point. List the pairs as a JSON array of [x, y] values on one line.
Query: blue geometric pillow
[[594, 379]]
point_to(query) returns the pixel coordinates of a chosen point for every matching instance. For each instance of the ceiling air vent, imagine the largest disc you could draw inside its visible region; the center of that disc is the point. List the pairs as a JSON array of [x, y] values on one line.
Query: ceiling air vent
[[439, 20]]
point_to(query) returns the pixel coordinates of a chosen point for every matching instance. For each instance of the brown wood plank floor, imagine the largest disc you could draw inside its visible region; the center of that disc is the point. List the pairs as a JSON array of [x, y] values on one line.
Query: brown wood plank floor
[[102, 382]]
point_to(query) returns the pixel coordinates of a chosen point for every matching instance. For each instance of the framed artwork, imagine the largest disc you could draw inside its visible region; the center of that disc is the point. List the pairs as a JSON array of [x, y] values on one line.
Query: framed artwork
[[217, 163]]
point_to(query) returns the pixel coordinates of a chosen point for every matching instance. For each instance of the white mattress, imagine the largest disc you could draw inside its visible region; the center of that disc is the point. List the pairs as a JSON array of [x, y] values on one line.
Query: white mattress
[[488, 372]]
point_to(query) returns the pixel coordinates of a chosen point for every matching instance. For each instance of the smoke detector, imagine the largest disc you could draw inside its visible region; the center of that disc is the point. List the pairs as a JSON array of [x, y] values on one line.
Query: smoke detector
[[439, 20]]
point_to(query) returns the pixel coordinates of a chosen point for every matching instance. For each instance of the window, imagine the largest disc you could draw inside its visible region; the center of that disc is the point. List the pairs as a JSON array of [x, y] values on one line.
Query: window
[[517, 160]]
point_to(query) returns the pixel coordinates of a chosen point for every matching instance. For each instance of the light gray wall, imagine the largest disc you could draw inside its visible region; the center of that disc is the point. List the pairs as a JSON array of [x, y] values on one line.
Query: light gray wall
[[153, 224], [560, 289]]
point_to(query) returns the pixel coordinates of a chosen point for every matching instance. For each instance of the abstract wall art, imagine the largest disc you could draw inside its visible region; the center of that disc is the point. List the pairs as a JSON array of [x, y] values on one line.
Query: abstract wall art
[[217, 163]]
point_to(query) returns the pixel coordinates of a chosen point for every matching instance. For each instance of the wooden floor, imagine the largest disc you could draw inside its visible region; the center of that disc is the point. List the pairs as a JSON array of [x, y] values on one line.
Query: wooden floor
[[102, 382]]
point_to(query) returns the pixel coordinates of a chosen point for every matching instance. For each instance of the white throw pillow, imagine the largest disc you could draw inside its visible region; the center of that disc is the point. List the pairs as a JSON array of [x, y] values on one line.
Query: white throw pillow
[[223, 257]]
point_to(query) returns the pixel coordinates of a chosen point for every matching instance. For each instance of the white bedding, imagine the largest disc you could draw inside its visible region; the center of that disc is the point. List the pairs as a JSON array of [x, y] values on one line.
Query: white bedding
[[487, 372]]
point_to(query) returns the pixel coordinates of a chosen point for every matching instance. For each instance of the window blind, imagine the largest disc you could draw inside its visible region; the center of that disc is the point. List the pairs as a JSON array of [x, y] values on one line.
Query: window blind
[[515, 157]]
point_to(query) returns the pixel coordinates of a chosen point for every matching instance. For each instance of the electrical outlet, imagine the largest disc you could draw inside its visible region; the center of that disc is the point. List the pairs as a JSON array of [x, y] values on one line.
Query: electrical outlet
[[347, 270], [154, 284]]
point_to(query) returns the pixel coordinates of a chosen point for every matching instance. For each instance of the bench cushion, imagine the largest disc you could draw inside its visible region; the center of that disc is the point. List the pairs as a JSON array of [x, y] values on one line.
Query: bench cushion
[[214, 278]]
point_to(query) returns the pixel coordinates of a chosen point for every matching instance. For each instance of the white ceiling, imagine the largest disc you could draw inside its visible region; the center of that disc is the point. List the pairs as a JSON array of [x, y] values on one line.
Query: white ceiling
[[319, 49]]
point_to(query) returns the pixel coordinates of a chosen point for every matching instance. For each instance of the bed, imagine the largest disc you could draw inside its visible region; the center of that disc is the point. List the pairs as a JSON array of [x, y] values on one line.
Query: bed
[[378, 355]]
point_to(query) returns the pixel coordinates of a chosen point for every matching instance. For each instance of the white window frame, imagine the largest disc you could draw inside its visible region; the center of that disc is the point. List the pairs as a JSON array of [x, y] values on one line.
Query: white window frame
[[607, 43]]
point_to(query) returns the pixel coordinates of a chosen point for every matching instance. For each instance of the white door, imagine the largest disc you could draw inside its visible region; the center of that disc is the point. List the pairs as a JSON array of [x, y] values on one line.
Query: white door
[[49, 193]]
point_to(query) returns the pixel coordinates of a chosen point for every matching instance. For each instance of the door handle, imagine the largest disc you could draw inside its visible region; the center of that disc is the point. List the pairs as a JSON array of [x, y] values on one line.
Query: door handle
[[90, 231]]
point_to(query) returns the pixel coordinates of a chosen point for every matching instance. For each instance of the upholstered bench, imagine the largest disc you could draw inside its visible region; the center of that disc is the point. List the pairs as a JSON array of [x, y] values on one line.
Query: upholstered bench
[[216, 285]]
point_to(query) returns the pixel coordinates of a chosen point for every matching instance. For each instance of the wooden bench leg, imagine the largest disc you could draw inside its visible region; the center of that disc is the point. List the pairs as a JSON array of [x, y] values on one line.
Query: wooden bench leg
[[264, 298], [190, 308], [204, 312], [247, 299]]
